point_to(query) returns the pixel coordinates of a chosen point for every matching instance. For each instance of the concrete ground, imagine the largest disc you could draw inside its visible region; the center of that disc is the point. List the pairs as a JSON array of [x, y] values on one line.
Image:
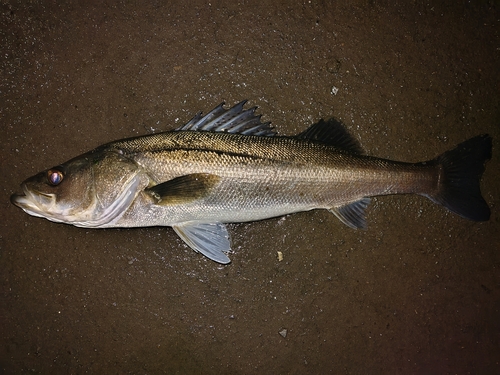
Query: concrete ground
[[418, 292]]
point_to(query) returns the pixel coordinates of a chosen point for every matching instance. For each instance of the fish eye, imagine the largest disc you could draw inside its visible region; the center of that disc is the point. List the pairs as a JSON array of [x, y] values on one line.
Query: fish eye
[[55, 177]]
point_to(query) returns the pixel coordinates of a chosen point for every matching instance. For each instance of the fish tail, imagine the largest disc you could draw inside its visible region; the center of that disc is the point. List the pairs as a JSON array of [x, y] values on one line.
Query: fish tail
[[459, 184]]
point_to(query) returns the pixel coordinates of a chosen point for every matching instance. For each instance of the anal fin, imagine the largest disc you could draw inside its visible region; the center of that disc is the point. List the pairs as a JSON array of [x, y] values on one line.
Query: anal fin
[[210, 239], [352, 214]]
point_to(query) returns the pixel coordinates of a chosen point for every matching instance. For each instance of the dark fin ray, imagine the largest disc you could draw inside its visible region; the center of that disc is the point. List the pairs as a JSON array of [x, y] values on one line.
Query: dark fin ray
[[333, 133], [199, 121], [232, 120], [183, 189], [462, 168], [210, 239], [352, 214]]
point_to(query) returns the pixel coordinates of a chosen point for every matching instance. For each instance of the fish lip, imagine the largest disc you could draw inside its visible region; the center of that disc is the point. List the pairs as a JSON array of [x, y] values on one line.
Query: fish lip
[[19, 199], [16, 198], [25, 203], [29, 200]]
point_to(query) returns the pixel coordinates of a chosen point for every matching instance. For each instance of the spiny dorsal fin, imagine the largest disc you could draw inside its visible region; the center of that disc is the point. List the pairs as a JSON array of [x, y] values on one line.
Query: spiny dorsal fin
[[232, 120], [352, 214], [333, 133], [183, 189]]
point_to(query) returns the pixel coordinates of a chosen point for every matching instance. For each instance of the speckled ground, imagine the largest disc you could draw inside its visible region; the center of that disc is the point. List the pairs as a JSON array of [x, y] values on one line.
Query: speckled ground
[[416, 293]]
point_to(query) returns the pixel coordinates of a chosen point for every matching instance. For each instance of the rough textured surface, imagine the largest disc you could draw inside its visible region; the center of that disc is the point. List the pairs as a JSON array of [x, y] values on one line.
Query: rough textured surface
[[416, 293]]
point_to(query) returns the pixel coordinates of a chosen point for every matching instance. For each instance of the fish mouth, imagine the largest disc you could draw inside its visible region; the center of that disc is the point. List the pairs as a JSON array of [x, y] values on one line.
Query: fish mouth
[[33, 202]]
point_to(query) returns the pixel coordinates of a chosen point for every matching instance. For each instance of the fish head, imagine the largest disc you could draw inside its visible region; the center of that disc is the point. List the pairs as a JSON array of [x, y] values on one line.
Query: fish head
[[88, 191]]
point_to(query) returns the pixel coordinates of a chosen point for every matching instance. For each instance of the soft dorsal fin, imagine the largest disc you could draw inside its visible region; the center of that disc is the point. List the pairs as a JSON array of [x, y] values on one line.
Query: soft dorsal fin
[[333, 133], [232, 120]]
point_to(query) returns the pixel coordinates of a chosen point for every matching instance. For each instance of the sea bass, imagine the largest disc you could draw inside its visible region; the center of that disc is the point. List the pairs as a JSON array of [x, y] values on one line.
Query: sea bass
[[228, 166]]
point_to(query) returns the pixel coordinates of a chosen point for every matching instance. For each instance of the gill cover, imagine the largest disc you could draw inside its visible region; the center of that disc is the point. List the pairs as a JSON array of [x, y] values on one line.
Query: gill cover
[[92, 190]]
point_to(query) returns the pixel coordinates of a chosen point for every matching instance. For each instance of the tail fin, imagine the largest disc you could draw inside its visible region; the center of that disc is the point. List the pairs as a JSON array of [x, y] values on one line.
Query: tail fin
[[462, 168]]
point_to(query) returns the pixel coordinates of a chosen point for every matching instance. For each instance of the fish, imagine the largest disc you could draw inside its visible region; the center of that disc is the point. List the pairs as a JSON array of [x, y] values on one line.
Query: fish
[[229, 167]]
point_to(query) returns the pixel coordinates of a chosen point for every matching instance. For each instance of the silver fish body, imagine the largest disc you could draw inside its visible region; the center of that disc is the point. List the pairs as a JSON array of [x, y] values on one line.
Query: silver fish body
[[227, 167]]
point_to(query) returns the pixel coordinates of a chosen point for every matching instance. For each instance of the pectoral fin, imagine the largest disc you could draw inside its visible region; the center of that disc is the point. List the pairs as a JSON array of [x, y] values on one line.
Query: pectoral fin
[[352, 214], [183, 189], [210, 239]]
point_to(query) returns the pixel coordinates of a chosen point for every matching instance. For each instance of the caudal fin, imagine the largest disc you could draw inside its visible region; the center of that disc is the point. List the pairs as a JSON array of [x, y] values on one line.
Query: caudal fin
[[461, 173]]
